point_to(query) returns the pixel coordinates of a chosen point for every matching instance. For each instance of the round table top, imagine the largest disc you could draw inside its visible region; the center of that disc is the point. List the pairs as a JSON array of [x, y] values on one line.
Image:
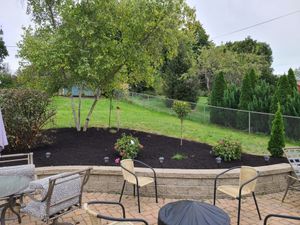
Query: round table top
[[10, 185], [192, 213]]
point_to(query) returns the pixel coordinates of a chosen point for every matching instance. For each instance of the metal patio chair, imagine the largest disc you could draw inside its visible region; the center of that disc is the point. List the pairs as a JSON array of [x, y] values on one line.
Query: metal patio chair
[[247, 184], [280, 216], [293, 156], [96, 218], [59, 195], [17, 165], [129, 176]]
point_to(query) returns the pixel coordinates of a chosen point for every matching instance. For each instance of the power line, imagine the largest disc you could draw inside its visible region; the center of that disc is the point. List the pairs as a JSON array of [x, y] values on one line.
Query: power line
[[257, 24], [11, 46]]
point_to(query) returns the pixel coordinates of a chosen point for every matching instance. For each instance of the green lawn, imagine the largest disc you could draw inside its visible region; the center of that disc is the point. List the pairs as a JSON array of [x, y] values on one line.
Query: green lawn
[[139, 118]]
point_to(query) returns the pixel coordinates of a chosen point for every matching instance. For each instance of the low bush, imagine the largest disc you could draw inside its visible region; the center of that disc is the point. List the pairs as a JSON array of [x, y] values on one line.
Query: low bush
[[179, 156], [228, 149], [128, 146], [25, 114]]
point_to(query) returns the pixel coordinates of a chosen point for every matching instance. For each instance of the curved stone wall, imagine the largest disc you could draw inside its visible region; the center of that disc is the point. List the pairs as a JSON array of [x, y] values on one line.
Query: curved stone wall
[[176, 183]]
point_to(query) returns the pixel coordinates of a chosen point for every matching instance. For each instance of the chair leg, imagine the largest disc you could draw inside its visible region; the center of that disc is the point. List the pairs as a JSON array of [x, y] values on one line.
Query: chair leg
[[287, 188], [155, 186], [134, 190], [138, 195], [215, 195], [239, 210], [256, 205], [122, 190]]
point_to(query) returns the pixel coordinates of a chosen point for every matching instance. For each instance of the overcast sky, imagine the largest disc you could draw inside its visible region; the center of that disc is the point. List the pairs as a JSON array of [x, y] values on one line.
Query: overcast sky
[[217, 16]]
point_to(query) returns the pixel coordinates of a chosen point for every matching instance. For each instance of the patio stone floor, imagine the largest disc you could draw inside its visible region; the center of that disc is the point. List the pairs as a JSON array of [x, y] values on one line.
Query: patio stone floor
[[270, 203]]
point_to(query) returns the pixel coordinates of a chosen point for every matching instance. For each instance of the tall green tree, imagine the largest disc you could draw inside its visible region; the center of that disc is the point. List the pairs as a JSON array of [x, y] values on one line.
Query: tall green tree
[[234, 65], [282, 93], [218, 89], [217, 99], [292, 81], [3, 50], [247, 90], [101, 44], [255, 47], [277, 139]]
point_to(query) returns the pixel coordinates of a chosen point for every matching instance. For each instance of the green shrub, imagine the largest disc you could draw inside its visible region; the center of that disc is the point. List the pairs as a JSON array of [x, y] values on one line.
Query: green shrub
[[277, 140], [179, 156], [128, 146], [182, 109], [228, 149], [25, 114]]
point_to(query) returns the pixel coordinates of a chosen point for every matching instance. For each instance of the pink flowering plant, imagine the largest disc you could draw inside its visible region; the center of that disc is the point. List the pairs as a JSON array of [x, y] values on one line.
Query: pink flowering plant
[[228, 149], [128, 146]]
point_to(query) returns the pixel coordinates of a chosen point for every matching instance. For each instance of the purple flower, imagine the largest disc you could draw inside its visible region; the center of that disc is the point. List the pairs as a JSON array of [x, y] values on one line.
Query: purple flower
[[117, 160]]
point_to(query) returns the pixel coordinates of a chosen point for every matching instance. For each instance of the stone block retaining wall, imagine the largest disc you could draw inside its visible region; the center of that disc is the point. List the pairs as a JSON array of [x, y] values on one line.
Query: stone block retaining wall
[[176, 183]]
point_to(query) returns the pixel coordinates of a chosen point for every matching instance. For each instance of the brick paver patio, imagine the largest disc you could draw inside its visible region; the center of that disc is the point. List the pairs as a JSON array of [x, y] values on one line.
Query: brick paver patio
[[268, 204]]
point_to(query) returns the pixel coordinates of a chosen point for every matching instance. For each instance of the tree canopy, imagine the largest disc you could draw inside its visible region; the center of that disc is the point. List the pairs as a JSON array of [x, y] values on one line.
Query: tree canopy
[[3, 50], [102, 43]]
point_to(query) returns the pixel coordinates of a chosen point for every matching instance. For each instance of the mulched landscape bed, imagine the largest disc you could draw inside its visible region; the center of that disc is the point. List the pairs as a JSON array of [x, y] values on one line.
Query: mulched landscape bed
[[70, 147]]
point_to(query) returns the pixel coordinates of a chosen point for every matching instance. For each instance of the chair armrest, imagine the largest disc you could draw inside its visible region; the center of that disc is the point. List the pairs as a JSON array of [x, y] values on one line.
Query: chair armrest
[[142, 163], [109, 203], [137, 181], [247, 182], [114, 218], [280, 216]]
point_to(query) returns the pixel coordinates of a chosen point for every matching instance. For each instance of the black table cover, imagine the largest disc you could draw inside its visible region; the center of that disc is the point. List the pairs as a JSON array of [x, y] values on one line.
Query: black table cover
[[192, 213]]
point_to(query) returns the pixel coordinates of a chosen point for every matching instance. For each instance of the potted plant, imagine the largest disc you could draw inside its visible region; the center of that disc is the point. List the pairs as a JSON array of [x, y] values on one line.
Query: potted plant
[[128, 146]]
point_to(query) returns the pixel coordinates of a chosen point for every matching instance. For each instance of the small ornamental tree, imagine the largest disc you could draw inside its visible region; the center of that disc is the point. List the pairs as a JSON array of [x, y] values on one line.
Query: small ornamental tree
[[277, 140], [182, 109]]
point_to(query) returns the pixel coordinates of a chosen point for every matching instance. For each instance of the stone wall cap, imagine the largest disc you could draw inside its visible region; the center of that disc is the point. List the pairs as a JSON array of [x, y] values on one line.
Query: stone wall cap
[[161, 172]]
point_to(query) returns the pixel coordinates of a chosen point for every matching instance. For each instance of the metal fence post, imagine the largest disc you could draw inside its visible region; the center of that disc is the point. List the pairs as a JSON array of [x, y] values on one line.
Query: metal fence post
[[249, 121]]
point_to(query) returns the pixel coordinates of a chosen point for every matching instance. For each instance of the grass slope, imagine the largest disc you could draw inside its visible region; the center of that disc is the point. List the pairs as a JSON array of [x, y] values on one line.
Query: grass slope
[[139, 118]]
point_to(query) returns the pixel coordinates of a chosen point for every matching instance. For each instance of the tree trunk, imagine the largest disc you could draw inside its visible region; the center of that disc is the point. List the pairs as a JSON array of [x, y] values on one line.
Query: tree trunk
[[110, 108], [207, 82], [181, 125], [79, 109], [87, 120], [118, 118], [74, 114]]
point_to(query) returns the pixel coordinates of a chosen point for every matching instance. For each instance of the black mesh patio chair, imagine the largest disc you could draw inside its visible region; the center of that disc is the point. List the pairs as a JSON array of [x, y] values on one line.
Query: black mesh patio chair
[[96, 218], [129, 176], [293, 156], [280, 216], [247, 184]]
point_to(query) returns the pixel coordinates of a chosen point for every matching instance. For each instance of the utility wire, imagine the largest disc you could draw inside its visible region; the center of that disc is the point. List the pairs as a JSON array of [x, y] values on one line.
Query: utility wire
[[257, 24]]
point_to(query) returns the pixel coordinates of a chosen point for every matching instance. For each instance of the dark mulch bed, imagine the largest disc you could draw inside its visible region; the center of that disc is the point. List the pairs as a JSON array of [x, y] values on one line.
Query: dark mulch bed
[[70, 147]]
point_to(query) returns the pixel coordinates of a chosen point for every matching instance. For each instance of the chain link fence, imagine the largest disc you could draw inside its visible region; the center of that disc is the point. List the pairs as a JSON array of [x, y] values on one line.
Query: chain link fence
[[248, 121]]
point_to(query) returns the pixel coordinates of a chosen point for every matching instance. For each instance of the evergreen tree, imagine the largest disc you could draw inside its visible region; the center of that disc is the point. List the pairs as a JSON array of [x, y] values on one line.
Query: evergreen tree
[[217, 99], [218, 89], [252, 77], [247, 91], [277, 139], [282, 93], [292, 81]]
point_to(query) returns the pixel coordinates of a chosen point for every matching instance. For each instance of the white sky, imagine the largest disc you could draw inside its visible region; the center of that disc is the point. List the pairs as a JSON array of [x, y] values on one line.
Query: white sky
[[217, 16]]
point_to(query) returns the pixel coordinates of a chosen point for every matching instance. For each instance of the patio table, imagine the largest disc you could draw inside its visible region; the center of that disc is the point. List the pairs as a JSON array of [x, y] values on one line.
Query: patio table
[[192, 213], [10, 186]]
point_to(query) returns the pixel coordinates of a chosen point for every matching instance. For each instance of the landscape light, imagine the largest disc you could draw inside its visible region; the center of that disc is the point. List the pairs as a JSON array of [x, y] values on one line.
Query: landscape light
[[106, 159]]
